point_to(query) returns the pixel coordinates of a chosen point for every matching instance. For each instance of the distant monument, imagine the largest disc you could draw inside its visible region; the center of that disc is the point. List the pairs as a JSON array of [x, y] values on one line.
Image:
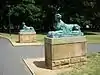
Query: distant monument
[[63, 29], [27, 34], [26, 28], [66, 46]]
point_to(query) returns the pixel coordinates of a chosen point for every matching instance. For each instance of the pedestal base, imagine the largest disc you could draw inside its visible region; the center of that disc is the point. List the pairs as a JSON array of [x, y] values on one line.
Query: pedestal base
[[27, 37], [63, 52]]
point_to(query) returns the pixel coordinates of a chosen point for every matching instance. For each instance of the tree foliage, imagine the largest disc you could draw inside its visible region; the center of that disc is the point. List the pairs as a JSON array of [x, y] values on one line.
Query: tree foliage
[[25, 11], [83, 12], [40, 13]]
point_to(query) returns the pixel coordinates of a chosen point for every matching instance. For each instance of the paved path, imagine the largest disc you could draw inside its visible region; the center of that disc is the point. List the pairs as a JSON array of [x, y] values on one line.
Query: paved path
[[11, 57], [93, 48]]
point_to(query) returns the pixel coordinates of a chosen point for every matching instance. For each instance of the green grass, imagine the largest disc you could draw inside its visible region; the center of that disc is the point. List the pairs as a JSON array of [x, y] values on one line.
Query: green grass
[[40, 37], [92, 37], [14, 37], [91, 68]]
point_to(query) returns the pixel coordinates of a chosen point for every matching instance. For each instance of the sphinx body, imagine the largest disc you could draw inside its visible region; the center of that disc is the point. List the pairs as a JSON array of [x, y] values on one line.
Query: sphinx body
[[26, 28], [63, 29]]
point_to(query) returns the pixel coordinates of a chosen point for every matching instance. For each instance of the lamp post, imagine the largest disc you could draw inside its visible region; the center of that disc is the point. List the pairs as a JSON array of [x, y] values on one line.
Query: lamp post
[[9, 19]]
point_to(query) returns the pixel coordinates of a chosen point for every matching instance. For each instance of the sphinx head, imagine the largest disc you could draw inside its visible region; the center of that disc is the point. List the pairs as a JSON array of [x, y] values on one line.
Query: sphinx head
[[23, 23], [58, 17]]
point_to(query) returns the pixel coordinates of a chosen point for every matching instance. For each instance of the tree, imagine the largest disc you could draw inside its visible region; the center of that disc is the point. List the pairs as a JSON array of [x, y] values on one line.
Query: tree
[[82, 12], [26, 11], [40, 13]]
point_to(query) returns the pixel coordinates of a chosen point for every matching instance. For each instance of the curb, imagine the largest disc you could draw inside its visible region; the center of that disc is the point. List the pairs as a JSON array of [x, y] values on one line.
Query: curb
[[33, 73], [22, 44]]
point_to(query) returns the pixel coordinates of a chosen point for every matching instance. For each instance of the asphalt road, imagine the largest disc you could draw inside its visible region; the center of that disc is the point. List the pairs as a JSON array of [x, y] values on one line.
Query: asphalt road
[[93, 48], [11, 57]]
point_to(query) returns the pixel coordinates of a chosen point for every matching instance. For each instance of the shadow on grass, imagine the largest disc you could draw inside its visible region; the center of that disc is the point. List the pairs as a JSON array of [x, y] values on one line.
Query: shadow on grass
[[43, 33], [89, 33]]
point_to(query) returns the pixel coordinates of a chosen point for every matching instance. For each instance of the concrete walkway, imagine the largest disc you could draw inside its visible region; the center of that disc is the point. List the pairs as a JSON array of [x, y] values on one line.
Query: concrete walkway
[[11, 57], [93, 48]]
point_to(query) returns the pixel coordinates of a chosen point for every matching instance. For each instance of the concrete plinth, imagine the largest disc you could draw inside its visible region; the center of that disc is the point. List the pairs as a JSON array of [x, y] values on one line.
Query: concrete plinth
[[64, 52], [27, 37], [37, 67]]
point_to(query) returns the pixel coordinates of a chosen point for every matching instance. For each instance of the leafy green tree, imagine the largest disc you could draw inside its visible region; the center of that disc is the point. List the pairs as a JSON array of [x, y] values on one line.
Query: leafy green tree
[[40, 13], [22, 10], [28, 13], [82, 12]]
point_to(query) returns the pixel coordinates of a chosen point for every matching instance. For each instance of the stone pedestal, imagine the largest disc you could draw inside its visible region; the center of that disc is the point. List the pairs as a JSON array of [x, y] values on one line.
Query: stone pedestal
[[27, 37], [65, 52]]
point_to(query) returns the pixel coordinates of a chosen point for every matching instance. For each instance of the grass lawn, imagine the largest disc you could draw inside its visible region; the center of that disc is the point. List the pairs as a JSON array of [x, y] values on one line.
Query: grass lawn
[[91, 68], [14, 37], [92, 37]]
